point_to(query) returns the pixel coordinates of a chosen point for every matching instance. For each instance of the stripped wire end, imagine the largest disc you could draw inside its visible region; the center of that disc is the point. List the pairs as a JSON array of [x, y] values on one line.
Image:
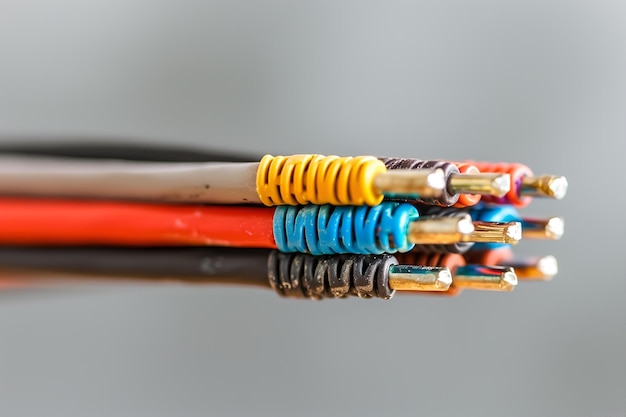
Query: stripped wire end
[[496, 232], [440, 231], [419, 278], [481, 277], [485, 184], [539, 268], [551, 228], [544, 186], [411, 183]]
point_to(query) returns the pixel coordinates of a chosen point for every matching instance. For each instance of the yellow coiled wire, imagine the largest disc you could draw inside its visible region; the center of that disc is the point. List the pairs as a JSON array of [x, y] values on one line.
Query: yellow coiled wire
[[318, 179]]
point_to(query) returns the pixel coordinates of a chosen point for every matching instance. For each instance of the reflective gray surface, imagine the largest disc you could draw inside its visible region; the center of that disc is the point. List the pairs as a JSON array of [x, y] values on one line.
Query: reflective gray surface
[[542, 82]]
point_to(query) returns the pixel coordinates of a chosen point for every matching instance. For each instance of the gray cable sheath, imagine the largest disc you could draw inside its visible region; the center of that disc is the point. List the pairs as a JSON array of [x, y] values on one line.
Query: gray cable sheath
[[176, 182]]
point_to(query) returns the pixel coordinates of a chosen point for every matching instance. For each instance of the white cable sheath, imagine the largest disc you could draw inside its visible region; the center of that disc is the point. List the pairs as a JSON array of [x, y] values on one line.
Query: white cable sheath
[[176, 182]]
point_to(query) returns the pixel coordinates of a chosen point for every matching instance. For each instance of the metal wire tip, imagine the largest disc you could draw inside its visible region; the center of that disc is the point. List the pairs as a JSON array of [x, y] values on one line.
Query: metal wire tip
[[550, 228], [440, 231], [419, 278], [481, 277], [496, 232], [544, 186], [411, 183], [538, 268], [484, 184]]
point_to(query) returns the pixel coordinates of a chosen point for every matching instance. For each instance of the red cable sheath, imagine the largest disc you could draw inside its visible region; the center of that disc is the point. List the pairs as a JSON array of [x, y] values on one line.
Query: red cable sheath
[[68, 222]]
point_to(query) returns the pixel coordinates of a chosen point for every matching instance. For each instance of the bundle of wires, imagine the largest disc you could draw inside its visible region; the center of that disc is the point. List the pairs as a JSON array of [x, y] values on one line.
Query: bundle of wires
[[306, 226]]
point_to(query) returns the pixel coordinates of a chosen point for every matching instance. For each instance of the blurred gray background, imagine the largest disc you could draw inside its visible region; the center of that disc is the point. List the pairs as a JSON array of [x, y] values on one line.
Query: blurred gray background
[[541, 82]]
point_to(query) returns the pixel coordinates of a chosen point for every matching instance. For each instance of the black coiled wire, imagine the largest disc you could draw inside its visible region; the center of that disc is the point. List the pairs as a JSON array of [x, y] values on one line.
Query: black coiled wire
[[446, 199], [335, 276]]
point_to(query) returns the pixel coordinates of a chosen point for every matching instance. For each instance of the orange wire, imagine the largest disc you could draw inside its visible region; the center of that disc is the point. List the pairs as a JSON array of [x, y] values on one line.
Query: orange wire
[[67, 222], [517, 171], [467, 200]]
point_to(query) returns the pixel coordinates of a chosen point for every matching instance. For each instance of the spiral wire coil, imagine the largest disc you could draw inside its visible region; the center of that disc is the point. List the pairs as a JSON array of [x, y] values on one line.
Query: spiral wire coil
[[300, 275], [325, 230], [317, 179]]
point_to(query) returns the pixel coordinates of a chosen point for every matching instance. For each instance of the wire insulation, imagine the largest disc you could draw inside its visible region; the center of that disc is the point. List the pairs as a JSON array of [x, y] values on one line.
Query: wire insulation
[[324, 230], [307, 276], [318, 179], [215, 182], [517, 172], [59, 222], [171, 264]]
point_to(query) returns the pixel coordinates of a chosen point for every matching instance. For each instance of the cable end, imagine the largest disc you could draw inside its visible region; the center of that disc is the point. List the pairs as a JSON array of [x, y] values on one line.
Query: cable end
[[551, 228], [495, 184], [411, 183], [551, 186], [441, 231], [509, 280], [548, 266], [481, 277], [496, 232], [541, 269], [419, 278]]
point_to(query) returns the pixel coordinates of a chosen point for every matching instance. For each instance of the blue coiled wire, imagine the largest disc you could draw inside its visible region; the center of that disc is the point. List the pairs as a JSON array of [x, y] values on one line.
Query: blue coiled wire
[[326, 229], [489, 213]]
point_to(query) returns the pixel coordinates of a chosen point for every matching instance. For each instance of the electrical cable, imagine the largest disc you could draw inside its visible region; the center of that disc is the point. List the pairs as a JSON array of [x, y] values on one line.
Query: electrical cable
[[442, 220], [451, 261], [275, 180], [366, 276], [456, 183], [387, 228], [496, 230], [549, 228], [34, 266], [498, 225], [465, 276], [290, 275], [523, 184], [455, 247], [191, 264], [541, 268], [465, 199]]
